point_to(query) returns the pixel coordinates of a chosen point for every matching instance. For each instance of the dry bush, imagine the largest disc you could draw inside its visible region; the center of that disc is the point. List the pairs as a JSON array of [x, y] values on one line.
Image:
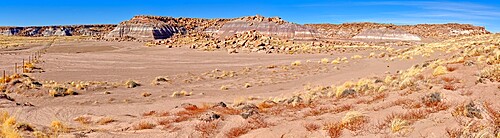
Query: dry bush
[[227, 110], [143, 125], [254, 122], [454, 133], [311, 126], [354, 120], [150, 113], [206, 128], [334, 129], [432, 99], [449, 79], [105, 120], [451, 69], [449, 86], [468, 110], [495, 114], [238, 131]]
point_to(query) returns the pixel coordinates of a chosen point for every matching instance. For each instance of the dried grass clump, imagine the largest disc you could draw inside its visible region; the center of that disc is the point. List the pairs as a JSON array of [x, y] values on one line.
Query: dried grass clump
[[334, 129], [311, 126], [491, 72], [83, 120], [468, 110], [324, 61], [8, 128], [296, 63], [143, 125], [238, 131], [440, 70], [206, 128], [181, 93], [354, 120], [252, 123], [336, 61], [398, 124], [58, 127], [432, 99], [105, 120]]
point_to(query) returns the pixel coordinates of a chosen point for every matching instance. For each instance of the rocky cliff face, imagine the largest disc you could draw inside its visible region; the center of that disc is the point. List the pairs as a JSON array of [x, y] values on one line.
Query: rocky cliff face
[[428, 31], [70, 30], [385, 34], [159, 27], [275, 27]]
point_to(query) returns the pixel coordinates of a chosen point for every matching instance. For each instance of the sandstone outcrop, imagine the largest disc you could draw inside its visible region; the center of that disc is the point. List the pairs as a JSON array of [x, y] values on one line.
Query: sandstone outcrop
[[428, 31], [385, 34]]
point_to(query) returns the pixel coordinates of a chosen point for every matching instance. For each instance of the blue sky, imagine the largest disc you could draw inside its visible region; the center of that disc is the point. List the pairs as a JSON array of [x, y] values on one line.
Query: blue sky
[[63, 12]]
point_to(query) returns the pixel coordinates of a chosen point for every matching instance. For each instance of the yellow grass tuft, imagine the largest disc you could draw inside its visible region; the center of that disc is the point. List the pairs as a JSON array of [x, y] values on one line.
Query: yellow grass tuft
[[324, 61], [58, 127], [296, 63], [440, 70], [354, 120], [8, 129], [398, 125]]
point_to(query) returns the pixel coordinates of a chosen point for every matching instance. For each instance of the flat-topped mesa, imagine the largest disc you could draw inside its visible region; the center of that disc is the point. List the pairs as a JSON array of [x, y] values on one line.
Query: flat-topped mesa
[[146, 28], [143, 28], [275, 27], [63, 30]]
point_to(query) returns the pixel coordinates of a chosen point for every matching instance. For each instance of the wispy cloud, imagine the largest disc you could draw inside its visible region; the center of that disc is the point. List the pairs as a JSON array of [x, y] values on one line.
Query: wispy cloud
[[445, 9]]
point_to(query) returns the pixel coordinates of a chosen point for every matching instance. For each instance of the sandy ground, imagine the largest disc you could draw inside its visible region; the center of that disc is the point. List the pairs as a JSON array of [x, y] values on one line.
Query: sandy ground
[[204, 74]]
